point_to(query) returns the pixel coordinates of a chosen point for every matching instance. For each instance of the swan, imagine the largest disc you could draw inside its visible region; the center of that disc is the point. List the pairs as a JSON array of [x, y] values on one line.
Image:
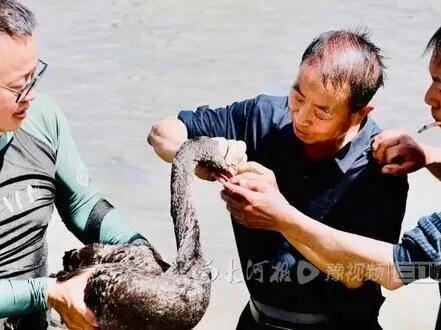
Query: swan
[[129, 288]]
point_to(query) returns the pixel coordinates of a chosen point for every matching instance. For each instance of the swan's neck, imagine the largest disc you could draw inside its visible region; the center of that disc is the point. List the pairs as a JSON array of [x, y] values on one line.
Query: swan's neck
[[183, 213]]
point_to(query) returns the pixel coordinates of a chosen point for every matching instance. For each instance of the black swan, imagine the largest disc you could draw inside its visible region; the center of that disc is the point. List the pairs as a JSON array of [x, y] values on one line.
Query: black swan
[[128, 288]]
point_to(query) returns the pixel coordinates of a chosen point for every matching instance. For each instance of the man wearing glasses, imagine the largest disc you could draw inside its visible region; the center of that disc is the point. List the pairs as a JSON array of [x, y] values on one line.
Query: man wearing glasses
[[40, 167], [34, 77]]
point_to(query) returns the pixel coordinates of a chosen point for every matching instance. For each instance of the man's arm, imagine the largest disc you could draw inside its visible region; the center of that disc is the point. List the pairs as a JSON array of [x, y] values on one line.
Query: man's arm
[[433, 156], [86, 213], [166, 136], [400, 154], [394, 265], [20, 297], [326, 263], [253, 198], [255, 201], [228, 125], [326, 247]]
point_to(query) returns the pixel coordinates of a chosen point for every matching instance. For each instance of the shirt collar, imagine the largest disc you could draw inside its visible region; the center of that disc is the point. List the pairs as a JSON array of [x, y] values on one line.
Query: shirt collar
[[350, 156], [4, 139], [359, 148]]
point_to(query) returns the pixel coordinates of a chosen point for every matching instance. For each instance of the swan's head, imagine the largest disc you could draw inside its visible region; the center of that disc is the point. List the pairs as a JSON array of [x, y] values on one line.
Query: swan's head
[[208, 154]]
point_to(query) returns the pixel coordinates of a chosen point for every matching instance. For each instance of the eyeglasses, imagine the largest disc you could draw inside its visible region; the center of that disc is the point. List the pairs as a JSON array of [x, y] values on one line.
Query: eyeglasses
[[23, 92]]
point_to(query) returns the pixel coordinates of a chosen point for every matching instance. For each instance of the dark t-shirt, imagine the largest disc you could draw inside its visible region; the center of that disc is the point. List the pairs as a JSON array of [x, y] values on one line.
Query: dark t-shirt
[[347, 192]]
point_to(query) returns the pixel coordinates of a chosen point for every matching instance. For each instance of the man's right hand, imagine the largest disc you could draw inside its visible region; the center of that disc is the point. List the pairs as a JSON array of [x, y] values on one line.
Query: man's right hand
[[167, 136], [399, 153], [234, 153], [67, 298]]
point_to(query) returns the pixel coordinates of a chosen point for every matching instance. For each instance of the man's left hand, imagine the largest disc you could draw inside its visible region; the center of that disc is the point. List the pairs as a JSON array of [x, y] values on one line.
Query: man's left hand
[[255, 202]]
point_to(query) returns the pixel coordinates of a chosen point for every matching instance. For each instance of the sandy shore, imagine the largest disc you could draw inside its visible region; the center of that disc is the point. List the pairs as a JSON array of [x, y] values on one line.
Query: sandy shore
[[117, 66]]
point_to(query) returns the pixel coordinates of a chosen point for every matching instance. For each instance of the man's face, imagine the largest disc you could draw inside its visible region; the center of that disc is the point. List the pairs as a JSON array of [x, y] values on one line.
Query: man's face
[[433, 95], [18, 61], [320, 114]]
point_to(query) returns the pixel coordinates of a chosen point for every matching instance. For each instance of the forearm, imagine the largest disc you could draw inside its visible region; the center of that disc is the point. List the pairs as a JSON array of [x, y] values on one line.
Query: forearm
[[325, 264], [433, 160], [92, 219], [21, 297], [325, 247], [166, 136], [116, 230]]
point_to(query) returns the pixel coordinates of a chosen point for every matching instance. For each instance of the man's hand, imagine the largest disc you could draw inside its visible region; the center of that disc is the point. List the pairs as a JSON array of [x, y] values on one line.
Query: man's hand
[[398, 153], [67, 298], [253, 170], [234, 153], [256, 203]]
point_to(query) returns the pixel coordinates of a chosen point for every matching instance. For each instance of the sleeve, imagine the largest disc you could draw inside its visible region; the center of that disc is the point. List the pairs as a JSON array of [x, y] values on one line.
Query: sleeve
[[84, 211], [229, 122], [251, 121], [418, 255], [21, 297]]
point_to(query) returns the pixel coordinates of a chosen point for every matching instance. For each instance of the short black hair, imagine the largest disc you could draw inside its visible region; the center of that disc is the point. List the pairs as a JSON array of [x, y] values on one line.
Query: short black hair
[[16, 19], [348, 58], [435, 43]]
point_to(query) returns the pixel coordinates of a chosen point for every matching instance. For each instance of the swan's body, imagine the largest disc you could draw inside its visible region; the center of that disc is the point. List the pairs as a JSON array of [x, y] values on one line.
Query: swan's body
[[128, 288]]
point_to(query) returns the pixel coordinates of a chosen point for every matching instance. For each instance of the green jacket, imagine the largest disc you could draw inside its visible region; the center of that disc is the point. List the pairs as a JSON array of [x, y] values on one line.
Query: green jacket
[[40, 168]]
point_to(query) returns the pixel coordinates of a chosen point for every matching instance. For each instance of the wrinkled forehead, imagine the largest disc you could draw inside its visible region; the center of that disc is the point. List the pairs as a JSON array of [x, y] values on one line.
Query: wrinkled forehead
[[18, 56]]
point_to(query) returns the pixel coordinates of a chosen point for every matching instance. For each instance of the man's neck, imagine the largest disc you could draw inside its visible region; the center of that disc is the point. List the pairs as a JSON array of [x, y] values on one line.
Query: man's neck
[[328, 149]]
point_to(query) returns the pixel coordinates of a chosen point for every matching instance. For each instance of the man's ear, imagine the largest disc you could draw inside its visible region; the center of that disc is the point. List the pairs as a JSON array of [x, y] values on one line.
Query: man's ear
[[363, 113]]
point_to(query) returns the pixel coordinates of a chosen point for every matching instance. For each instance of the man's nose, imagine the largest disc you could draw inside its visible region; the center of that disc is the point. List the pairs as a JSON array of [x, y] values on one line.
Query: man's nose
[[432, 98], [30, 96], [303, 117]]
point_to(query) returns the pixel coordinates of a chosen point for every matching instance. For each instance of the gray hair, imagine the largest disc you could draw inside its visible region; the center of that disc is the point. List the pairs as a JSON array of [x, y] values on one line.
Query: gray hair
[[16, 19]]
